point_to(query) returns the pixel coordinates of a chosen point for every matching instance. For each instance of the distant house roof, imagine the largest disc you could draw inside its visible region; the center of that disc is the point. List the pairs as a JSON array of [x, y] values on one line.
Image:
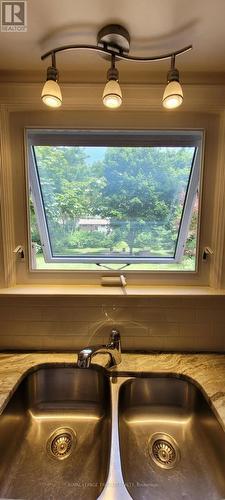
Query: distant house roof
[[94, 222]]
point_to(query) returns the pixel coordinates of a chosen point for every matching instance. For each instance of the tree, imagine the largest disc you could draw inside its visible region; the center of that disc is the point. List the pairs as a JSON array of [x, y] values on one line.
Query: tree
[[69, 186], [142, 188]]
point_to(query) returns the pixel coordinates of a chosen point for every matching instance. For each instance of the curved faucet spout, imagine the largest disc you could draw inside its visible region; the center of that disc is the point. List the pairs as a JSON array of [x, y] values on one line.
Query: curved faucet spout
[[113, 349]]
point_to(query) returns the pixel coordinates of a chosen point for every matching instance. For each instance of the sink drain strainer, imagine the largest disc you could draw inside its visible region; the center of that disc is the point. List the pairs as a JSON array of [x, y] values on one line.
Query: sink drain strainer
[[164, 450], [61, 443]]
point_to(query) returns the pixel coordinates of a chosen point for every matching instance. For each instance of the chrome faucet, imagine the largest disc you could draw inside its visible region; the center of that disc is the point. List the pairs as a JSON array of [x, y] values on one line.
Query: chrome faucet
[[113, 349]]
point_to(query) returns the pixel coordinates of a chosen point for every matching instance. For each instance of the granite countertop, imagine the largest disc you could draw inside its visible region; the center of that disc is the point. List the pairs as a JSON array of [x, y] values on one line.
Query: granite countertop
[[206, 370]]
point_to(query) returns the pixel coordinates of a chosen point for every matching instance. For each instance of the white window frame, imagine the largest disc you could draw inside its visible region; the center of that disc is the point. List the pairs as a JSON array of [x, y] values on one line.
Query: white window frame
[[64, 137]]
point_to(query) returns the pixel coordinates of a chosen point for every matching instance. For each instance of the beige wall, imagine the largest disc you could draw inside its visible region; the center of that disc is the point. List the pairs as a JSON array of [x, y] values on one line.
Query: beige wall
[[155, 323], [122, 120], [21, 106]]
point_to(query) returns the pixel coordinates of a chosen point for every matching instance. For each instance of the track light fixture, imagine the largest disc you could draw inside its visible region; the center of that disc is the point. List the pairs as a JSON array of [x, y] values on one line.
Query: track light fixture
[[51, 93], [113, 41], [173, 94], [112, 95]]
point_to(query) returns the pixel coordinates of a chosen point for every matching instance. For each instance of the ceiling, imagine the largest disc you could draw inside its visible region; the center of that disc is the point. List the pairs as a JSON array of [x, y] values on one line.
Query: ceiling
[[155, 27]]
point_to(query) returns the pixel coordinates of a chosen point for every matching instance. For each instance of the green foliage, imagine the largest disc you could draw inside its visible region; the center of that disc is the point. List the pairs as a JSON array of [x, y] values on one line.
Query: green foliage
[[93, 239], [140, 191], [33, 224], [121, 246], [143, 186]]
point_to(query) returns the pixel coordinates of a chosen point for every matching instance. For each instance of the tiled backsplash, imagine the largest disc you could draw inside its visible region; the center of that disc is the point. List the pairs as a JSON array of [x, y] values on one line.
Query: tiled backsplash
[[154, 323]]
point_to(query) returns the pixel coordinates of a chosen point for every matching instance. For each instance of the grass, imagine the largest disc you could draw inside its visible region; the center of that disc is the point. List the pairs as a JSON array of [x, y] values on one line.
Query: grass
[[187, 264]]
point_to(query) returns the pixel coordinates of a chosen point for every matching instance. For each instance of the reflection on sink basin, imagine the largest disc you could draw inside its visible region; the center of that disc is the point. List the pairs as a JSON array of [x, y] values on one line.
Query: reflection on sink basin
[[172, 446], [55, 436]]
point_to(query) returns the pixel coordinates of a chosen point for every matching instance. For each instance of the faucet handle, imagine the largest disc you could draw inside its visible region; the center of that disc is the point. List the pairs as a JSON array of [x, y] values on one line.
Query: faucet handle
[[115, 336], [115, 341]]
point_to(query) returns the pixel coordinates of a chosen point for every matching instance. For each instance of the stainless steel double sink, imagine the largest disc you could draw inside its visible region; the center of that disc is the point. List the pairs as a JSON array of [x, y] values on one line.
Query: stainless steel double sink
[[70, 433]]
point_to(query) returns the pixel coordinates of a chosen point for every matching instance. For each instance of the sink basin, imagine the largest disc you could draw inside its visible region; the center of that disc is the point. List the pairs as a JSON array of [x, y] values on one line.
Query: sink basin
[[55, 435], [74, 433], [172, 445]]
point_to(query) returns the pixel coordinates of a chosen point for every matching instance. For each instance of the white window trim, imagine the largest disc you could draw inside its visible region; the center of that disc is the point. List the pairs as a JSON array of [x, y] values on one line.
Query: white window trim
[[94, 138]]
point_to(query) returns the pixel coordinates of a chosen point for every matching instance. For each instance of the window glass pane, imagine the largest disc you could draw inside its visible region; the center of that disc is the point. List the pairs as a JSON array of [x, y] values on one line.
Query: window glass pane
[[117, 202]]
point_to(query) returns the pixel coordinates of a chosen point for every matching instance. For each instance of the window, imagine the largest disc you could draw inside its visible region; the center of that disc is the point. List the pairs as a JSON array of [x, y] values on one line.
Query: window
[[114, 199]]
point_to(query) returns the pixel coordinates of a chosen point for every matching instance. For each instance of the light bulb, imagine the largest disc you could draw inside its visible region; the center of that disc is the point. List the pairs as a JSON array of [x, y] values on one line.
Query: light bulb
[[112, 95], [173, 95], [51, 94]]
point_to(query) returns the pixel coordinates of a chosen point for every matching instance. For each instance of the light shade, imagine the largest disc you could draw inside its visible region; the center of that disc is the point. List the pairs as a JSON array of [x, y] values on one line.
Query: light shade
[[112, 95], [51, 94], [173, 95]]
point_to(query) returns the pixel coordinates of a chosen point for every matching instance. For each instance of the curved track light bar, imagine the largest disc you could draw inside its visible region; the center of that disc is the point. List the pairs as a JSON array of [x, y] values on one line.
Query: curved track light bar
[[113, 51]]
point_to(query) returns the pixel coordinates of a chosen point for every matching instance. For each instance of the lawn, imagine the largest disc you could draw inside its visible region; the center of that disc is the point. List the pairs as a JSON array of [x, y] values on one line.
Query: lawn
[[187, 264]]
